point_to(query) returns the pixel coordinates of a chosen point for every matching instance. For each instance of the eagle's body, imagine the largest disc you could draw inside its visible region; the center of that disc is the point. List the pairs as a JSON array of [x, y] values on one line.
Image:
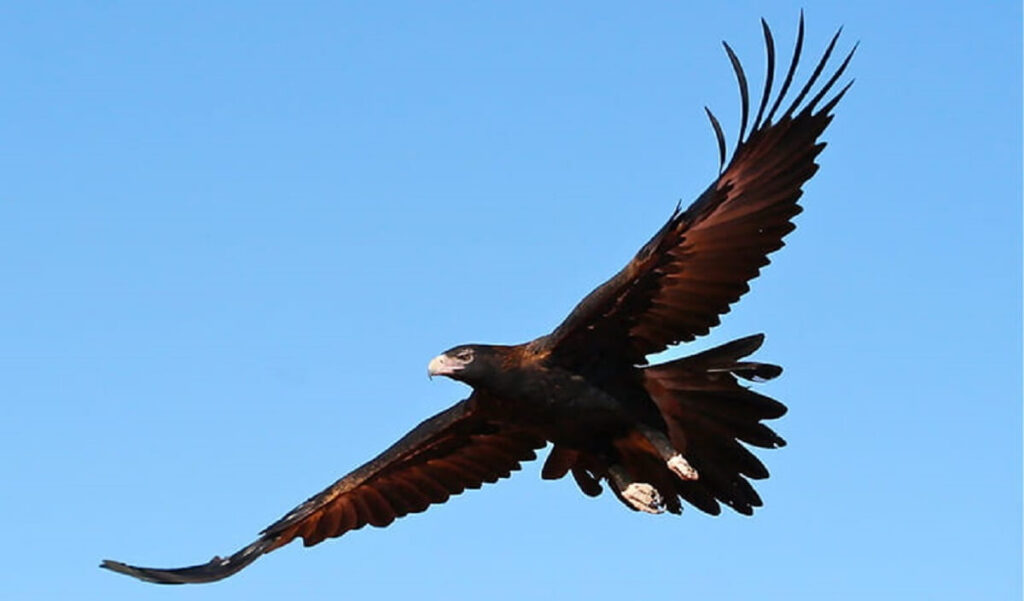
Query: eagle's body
[[656, 435], [561, 406]]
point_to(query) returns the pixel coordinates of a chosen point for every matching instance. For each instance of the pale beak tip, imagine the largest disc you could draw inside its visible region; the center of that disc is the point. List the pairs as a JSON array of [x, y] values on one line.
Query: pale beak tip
[[435, 367]]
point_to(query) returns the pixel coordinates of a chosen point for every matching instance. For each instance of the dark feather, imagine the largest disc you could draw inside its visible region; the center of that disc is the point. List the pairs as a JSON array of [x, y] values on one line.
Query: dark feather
[[741, 79], [719, 137], [792, 69], [769, 77]]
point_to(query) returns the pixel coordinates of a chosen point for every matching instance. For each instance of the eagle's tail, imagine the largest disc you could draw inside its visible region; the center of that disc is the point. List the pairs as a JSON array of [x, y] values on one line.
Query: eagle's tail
[[709, 413]]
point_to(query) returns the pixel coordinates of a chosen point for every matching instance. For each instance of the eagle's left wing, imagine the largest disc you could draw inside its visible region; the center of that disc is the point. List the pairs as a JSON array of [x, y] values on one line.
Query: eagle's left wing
[[446, 454]]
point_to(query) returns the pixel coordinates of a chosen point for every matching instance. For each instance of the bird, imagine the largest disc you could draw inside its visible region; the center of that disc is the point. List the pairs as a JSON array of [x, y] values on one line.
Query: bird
[[655, 435]]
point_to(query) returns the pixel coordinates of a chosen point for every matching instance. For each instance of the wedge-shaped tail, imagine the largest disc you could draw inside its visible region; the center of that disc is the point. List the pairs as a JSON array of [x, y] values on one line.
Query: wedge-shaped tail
[[709, 414]]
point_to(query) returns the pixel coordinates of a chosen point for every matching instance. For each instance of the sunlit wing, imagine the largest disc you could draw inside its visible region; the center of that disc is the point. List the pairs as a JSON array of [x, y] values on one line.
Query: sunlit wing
[[681, 282], [455, 450]]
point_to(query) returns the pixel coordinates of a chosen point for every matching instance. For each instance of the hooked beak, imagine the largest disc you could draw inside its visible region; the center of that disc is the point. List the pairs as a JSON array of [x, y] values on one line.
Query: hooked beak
[[440, 365]]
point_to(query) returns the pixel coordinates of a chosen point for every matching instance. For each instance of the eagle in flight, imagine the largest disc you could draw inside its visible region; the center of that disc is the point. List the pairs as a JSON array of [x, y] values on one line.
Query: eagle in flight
[[656, 435]]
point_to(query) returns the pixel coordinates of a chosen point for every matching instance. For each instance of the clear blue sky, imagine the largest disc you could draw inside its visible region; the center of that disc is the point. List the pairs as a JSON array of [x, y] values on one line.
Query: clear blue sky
[[232, 236]]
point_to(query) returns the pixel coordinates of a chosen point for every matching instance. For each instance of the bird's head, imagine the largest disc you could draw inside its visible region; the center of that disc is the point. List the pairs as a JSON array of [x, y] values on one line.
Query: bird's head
[[469, 363]]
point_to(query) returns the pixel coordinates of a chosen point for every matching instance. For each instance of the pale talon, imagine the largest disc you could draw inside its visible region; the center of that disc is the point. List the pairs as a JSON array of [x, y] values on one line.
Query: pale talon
[[644, 497], [682, 468]]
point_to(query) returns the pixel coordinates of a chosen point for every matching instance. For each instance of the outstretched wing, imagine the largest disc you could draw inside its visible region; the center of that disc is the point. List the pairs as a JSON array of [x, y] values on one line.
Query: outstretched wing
[[446, 454], [698, 264]]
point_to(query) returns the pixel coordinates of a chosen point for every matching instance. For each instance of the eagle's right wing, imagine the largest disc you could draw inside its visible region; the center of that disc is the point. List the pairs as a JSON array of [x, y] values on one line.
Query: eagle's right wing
[[698, 264]]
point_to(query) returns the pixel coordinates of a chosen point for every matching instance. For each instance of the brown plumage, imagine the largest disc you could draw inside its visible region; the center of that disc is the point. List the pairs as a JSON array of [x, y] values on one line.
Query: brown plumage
[[656, 435]]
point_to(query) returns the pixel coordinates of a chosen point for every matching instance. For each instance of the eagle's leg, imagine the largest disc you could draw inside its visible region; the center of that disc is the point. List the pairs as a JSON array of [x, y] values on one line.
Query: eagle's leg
[[673, 459], [639, 495]]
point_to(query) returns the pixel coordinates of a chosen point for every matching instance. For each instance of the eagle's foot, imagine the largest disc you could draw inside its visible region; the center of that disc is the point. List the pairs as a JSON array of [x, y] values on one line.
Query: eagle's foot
[[644, 497], [682, 468]]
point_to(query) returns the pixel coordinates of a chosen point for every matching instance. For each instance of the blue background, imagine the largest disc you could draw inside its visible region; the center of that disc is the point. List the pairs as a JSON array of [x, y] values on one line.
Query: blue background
[[232, 236]]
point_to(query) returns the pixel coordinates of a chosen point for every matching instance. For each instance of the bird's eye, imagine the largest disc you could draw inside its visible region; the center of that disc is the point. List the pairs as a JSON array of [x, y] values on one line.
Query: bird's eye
[[464, 355]]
